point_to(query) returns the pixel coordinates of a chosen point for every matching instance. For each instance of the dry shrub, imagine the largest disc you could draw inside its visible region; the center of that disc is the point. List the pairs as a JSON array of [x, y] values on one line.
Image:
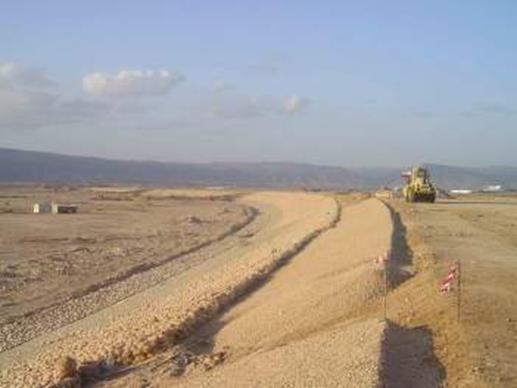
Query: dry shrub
[[67, 367]]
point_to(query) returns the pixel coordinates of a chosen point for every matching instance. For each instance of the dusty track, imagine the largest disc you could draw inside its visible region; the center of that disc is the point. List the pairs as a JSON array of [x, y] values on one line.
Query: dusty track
[[302, 327], [292, 300], [142, 324]]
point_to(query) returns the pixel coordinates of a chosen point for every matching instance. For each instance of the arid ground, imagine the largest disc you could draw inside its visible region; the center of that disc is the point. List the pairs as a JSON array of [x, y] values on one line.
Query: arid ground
[[480, 231], [183, 287]]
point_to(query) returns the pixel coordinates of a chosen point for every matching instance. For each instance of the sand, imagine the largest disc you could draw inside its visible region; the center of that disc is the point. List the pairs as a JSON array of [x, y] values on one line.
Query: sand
[[480, 231], [293, 298], [142, 324], [56, 269], [301, 328]]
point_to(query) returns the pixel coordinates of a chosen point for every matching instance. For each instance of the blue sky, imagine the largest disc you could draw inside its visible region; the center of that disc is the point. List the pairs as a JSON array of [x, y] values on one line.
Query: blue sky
[[365, 83]]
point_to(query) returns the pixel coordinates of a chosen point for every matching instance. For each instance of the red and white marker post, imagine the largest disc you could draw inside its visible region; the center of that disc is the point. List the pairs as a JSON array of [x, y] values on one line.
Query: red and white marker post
[[382, 263], [447, 285]]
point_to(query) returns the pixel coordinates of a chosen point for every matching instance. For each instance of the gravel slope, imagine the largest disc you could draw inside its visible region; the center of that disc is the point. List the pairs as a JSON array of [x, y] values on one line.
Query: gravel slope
[[309, 325], [137, 327], [117, 287]]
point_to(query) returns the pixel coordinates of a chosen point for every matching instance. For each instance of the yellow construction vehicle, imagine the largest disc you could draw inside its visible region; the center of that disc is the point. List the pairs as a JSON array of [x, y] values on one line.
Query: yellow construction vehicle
[[418, 187]]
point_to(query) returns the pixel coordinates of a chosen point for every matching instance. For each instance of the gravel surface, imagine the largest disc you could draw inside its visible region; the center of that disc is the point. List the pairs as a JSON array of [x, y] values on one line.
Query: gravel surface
[[115, 289], [315, 323], [147, 322], [343, 356], [49, 259]]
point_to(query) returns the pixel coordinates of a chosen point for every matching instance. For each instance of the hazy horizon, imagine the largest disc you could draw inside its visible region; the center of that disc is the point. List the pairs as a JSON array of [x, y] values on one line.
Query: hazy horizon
[[279, 161], [369, 84]]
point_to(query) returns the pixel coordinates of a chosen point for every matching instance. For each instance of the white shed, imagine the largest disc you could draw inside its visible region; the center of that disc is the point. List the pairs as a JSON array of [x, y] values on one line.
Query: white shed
[[44, 207]]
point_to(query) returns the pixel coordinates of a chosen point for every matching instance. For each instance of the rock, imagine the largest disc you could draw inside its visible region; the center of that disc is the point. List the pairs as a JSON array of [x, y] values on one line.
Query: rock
[[219, 357], [68, 382], [91, 370], [108, 365], [214, 359], [67, 367], [176, 370], [193, 220], [179, 362]]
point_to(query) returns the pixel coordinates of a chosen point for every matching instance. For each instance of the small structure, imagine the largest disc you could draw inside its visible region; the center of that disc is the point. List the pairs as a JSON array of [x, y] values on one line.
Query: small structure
[[384, 192], [492, 188], [460, 191], [63, 209], [43, 207]]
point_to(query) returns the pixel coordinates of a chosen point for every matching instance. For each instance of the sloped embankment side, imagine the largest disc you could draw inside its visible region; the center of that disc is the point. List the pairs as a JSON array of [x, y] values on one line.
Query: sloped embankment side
[[408, 355], [315, 323], [153, 320], [108, 291]]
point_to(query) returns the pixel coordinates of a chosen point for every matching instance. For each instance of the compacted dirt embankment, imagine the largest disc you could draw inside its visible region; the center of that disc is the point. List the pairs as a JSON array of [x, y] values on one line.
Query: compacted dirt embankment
[[155, 319], [315, 322]]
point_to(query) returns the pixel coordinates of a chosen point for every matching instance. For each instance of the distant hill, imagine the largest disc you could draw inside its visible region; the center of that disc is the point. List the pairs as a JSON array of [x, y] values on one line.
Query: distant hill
[[33, 166]]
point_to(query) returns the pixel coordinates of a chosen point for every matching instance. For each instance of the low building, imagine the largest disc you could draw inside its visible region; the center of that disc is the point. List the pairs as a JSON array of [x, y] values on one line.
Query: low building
[[64, 209], [384, 193], [492, 188], [42, 207], [460, 191]]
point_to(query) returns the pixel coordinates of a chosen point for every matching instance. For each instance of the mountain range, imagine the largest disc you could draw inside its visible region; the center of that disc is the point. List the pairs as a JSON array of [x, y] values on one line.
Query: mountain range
[[45, 167]]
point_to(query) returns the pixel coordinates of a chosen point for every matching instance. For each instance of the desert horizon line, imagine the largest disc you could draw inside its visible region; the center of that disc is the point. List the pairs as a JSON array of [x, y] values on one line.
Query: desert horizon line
[[251, 162]]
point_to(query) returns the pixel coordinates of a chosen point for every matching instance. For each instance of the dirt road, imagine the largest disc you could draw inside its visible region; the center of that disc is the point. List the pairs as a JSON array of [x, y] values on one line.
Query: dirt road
[[139, 326], [293, 298], [301, 328]]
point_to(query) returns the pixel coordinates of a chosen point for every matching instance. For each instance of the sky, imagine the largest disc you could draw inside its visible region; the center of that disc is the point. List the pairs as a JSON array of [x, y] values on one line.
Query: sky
[[345, 83]]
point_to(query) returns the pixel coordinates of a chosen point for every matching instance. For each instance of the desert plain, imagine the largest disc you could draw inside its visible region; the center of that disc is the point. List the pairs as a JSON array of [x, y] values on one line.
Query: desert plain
[[164, 287]]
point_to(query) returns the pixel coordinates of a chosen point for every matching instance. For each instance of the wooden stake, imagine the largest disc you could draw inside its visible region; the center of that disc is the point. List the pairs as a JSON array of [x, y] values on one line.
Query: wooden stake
[[458, 266]]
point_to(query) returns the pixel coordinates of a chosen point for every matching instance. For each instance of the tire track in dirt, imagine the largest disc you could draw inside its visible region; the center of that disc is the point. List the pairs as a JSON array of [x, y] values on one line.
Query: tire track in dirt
[[164, 313], [314, 323], [103, 294]]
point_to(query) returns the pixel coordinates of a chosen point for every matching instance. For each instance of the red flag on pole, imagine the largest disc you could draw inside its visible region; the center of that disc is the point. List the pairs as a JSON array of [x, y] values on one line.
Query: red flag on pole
[[447, 282]]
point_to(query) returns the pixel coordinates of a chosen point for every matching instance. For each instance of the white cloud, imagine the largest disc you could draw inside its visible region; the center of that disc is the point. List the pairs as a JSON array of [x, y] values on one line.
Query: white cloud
[[131, 82], [15, 75], [33, 109], [234, 106], [19, 107], [294, 104], [29, 99]]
